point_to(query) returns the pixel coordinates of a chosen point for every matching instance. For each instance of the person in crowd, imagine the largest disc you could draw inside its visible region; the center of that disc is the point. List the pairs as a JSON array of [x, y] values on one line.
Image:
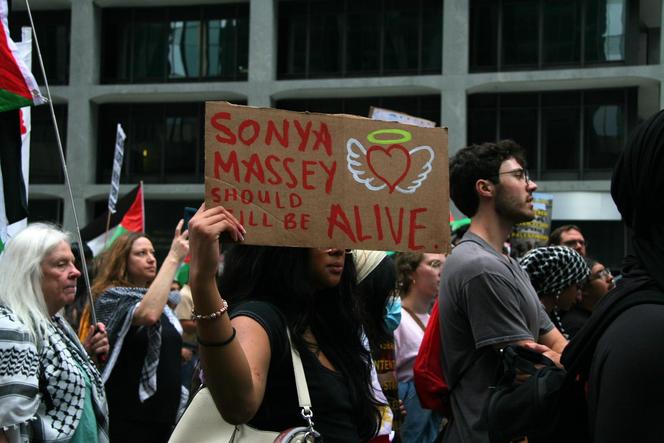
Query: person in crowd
[[570, 236], [142, 375], [381, 307], [245, 356], [50, 390], [74, 311], [418, 282], [557, 273], [189, 352], [486, 300], [598, 284], [621, 343]]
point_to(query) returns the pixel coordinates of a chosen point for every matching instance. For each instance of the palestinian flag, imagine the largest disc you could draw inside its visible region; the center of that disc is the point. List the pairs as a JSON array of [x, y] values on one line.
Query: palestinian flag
[[18, 87], [182, 275], [129, 217]]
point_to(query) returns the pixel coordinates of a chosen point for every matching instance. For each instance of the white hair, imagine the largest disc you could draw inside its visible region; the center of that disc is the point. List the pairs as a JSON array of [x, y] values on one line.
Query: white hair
[[21, 275]]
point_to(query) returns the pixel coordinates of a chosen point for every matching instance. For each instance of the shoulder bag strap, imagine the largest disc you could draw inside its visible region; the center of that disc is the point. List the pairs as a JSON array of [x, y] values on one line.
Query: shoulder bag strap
[[301, 386], [300, 379], [415, 317]]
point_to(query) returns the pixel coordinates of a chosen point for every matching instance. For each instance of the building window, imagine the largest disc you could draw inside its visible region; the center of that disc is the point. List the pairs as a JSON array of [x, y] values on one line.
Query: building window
[[331, 38], [539, 34], [567, 135], [202, 43], [164, 142], [423, 106], [45, 210], [53, 28], [45, 163]]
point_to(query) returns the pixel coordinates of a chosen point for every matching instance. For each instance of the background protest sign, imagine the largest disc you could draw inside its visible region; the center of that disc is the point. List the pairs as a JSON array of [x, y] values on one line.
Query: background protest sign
[[535, 233], [301, 179], [389, 115]]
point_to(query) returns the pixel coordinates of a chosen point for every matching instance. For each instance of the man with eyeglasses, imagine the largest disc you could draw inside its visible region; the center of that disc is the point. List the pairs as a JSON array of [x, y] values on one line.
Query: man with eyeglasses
[[486, 299], [570, 236]]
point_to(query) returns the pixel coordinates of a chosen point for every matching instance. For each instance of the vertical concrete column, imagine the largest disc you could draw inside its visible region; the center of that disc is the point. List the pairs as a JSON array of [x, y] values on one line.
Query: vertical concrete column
[[456, 37], [83, 74], [262, 50], [453, 115], [456, 25]]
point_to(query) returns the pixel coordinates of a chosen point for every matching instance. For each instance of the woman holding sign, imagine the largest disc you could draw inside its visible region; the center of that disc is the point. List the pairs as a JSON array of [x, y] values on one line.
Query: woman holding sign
[[245, 355]]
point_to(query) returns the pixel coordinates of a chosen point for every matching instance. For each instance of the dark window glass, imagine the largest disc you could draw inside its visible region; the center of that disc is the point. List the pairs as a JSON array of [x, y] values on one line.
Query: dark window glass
[[520, 125], [150, 45], [45, 210], [326, 38], [424, 106], [45, 163], [537, 34], [364, 32], [484, 34], [164, 142], [431, 37], [325, 45], [561, 32], [175, 43], [605, 30], [184, 43], [566, 134], [520, 32], [560, 138], [401, 24], [53, 33]]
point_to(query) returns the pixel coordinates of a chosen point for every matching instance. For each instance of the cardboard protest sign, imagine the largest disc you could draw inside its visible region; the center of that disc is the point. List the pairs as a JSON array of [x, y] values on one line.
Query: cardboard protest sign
[[301, 179], [535, 233]]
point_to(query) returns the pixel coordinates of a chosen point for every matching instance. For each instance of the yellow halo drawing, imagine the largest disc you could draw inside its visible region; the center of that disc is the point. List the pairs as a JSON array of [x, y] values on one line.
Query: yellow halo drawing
[[405, 136]]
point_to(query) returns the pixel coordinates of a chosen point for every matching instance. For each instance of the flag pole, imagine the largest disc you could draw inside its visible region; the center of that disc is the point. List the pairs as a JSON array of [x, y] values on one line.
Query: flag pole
[[84, 264]]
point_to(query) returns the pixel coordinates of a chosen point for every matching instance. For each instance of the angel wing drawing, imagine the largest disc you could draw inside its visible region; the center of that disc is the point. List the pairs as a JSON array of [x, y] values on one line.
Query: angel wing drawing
[[388, 167]]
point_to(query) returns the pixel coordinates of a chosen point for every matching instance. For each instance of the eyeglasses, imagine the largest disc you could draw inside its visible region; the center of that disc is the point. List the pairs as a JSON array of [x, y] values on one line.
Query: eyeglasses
[[335, 251], [435, 263], [603, 274], [520, 174], [572, 243]]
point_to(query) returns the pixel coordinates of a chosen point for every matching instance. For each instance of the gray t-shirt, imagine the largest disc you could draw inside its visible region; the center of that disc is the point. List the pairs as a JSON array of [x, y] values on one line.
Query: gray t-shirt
[[485, 299]]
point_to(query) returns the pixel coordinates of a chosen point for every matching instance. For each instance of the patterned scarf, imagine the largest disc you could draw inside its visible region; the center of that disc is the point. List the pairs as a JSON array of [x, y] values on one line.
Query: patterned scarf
[[554, 268], [45, 386], [115, 308]]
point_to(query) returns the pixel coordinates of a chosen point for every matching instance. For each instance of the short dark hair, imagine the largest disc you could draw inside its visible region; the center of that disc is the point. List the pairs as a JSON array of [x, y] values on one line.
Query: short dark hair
[[477, 162], [555, 236]]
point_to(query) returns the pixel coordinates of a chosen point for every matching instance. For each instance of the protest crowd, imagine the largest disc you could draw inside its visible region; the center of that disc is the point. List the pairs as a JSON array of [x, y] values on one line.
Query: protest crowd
[[473, 345]]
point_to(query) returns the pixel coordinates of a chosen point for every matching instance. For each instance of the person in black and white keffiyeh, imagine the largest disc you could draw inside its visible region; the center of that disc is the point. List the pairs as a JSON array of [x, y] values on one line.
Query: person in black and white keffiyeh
[[557, 274], [142, 373], [50, 390]]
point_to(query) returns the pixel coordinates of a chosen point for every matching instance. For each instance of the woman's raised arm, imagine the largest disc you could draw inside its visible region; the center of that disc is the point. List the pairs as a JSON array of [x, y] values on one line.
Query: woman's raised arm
[[235, 354]]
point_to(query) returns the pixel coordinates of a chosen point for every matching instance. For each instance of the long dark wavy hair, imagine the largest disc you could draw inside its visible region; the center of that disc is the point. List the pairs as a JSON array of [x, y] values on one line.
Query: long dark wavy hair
[[280, 275]]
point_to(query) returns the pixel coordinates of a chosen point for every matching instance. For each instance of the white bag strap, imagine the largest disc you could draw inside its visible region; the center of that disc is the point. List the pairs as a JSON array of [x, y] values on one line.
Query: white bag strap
[[300, 379]]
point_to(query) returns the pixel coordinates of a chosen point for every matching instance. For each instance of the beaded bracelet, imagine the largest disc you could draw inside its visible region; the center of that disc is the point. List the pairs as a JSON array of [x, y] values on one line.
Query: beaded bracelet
[[216, 344], [212, 316]]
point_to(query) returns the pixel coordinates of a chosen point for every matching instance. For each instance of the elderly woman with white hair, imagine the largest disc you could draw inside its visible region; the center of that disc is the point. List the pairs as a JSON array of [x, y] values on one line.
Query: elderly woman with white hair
[[50, 390]]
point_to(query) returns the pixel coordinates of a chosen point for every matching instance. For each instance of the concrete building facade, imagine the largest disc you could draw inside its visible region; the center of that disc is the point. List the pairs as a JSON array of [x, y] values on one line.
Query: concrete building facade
[[581, 197]]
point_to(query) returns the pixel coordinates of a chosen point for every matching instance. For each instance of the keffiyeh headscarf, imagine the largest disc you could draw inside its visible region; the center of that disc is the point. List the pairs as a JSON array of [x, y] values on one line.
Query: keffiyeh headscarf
[[553, 268]]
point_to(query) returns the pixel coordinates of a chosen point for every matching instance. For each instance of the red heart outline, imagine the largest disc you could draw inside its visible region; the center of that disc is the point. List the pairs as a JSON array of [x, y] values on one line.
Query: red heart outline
[[388, 152]]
